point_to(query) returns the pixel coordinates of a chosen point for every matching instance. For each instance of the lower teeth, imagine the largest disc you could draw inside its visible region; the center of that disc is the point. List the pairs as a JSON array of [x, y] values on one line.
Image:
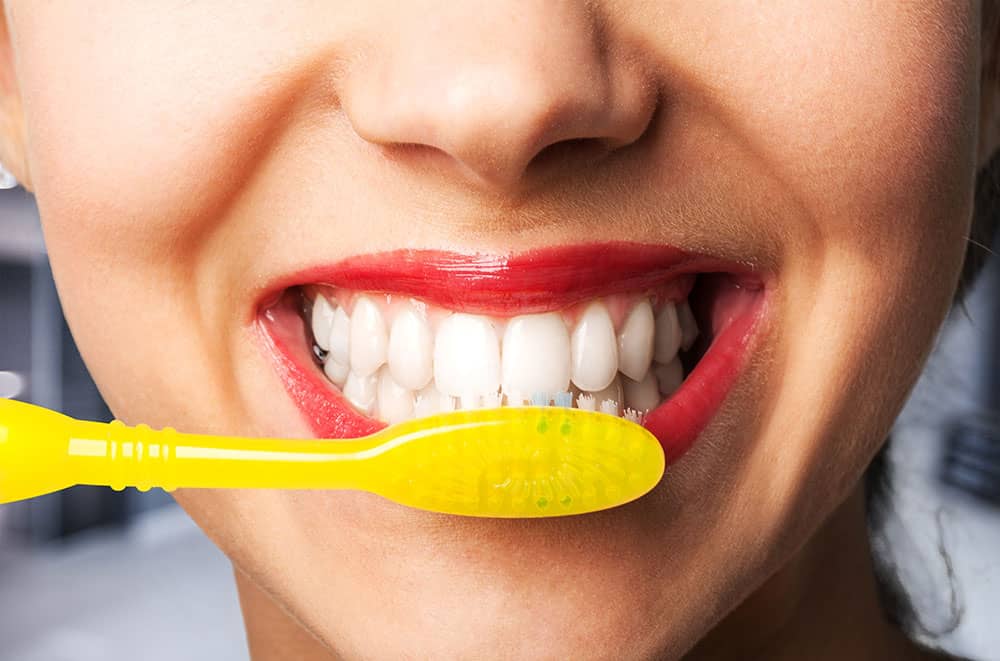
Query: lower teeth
[[473, 372]]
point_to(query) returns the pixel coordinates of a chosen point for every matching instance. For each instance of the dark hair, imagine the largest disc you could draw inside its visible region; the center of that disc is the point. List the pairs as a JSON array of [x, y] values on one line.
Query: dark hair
[[878, 481]]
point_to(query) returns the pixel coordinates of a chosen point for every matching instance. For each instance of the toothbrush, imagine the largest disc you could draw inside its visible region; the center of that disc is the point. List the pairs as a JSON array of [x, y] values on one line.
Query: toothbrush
[[532, 461]]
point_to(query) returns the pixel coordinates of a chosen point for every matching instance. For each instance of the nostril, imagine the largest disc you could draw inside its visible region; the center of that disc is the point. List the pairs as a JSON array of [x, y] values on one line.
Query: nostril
[[569, 153]]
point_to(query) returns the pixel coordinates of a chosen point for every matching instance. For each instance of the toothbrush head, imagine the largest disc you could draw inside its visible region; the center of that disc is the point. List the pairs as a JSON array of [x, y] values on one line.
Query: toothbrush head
[[524, 462]]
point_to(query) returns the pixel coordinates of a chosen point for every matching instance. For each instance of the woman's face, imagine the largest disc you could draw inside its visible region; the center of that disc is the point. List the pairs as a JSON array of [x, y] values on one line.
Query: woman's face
[[201, 168]]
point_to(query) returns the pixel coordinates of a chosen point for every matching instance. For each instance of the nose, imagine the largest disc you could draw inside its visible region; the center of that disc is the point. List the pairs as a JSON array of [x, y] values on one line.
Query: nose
[[493, 86]]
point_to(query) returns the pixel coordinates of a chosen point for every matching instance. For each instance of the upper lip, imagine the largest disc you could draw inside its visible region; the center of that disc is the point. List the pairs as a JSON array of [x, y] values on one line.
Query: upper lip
[[536, 280]]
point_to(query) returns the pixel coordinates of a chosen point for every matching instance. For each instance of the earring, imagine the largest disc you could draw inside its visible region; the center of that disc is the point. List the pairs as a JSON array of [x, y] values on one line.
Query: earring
[[7, 180]]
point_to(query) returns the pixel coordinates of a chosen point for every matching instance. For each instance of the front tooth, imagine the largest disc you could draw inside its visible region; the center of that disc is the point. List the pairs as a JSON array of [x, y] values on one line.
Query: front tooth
[[335, 371], [466, 356], [593, 349], [642, 395], [635, 341], [668, 334], [510, 398], [430, 401], [395, 403], [322, 321], [411, 344], [536, 354], [340, 337], [470, 401], [689, 327], [369, 338], [669, 377], [361, 391]]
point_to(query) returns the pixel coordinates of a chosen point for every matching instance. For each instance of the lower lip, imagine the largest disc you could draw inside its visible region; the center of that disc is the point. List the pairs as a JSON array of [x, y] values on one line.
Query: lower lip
[[677, 422]]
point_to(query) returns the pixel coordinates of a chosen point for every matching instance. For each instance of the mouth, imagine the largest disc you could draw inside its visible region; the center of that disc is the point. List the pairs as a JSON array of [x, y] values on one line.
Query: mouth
[[650, 333]]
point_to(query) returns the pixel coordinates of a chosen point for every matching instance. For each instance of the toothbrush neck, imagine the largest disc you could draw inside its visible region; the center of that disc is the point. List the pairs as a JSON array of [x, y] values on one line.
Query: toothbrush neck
[[119, 456]]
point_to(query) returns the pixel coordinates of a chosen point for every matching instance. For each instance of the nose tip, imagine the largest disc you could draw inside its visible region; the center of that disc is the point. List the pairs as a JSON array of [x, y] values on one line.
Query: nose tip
[[496, 110]]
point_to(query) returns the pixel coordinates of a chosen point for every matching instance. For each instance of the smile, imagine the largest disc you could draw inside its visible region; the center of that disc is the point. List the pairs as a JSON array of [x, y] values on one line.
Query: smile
[[651, 333]]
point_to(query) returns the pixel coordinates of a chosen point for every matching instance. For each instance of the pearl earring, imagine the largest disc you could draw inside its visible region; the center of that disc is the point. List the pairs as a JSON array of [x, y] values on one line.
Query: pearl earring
[[7, 180]]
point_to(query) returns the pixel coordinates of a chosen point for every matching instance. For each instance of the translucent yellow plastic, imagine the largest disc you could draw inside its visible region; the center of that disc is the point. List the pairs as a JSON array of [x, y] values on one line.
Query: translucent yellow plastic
[[503, 462]]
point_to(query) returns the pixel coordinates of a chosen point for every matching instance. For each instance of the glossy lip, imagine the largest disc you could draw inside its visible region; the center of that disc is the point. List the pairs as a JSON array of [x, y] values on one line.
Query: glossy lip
[[503, 285], [534, 281]]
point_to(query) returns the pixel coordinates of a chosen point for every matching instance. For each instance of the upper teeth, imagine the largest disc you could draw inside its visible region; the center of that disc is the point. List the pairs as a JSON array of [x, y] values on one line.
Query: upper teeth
[[594, 349], [635, 341], [411, 344], [536, 355], [369, 337], [396, 359], [466, 356], [689, 327]]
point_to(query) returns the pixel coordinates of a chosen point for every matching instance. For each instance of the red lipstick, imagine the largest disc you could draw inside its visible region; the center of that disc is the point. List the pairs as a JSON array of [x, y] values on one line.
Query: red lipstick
[[534, 281], [504, 285]]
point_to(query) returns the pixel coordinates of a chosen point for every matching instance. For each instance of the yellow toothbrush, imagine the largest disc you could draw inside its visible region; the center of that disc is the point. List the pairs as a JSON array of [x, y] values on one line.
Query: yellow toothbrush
[[534, 461]]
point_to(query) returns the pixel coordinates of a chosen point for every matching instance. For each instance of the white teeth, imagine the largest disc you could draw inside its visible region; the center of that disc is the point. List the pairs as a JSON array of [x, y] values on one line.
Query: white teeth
[[406, 369], [669, 377], [411, 346], [470, 401], [466, 356], [514, 398], [642, 395], [536, 354], [668, 334], [395, 403], [360, 391], [594, 349], [430, 401], [369, 338], [340, 337], [322, 322], [689, 327], [635, 341], [335, 371]]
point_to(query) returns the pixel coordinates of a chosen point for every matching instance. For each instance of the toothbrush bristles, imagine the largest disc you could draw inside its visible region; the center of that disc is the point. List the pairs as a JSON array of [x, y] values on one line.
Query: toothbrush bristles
[[585, 401], [540, 399], [635, 416]]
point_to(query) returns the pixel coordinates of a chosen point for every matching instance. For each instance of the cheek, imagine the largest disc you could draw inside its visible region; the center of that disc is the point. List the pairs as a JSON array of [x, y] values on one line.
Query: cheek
[[875, 135], [872, 140], [139, 144], [138, 147], [865, 115]]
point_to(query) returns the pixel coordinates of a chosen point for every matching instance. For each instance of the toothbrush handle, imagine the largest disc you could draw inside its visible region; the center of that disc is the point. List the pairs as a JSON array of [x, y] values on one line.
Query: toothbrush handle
[[119, 456]]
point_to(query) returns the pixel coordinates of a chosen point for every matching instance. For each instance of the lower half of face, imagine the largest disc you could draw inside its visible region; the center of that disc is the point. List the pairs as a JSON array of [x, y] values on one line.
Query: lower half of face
[[255, 236]]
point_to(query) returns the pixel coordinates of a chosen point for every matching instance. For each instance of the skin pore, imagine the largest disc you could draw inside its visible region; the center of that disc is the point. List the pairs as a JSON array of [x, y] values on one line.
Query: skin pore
[[184, 155]]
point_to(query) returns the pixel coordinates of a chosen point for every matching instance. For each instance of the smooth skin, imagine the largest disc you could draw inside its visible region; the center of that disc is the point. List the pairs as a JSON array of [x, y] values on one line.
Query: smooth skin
[[184, 154]]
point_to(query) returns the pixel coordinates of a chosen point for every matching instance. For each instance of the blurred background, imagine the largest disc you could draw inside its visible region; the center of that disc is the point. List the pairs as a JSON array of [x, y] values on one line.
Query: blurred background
[[90, 573]]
